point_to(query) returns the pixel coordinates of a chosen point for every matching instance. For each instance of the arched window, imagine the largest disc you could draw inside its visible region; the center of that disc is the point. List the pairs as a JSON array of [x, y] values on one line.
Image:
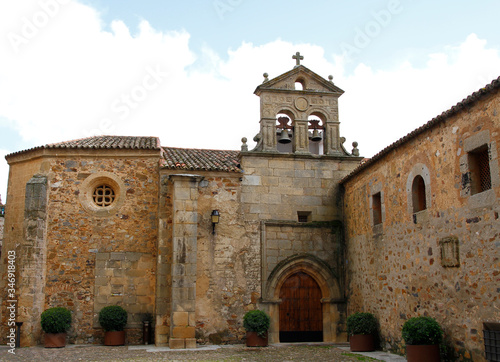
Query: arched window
[[418, 194], [300, 84]]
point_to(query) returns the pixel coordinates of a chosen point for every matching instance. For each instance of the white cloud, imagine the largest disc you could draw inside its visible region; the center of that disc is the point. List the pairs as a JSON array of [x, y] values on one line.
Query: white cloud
[[74, 78], [381, 106]]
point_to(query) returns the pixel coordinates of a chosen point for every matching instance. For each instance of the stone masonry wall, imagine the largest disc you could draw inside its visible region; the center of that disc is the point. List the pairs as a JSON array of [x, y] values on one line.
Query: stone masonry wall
[[444, 261], [277, 186], [14, 234], [276, 189], [80, 240], [227, 262], [84, 245], [2, 221]]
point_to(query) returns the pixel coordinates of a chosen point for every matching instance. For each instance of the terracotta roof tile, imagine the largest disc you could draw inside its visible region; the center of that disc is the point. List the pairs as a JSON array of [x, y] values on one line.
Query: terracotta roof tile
[[109, 142], [464, 104], [201, 160], [103, 142]]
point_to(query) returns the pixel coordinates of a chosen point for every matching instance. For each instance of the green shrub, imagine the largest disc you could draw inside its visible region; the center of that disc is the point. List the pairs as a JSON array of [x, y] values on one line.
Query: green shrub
[[113, 318], [256, 321], [56, 320], [422, 331], [361, 323]]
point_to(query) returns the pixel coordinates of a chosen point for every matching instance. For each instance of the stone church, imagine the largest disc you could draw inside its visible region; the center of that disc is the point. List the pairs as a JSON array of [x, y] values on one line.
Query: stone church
[[298, 226]]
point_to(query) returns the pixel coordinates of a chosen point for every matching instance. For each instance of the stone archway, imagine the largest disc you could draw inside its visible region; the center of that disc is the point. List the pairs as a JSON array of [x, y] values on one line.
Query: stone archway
[[332, 301]]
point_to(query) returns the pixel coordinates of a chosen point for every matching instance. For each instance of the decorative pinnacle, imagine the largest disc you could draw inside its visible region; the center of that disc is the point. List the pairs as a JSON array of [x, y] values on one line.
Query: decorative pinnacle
[[244, 146], [330, 78], [265, 77], [297, 58]]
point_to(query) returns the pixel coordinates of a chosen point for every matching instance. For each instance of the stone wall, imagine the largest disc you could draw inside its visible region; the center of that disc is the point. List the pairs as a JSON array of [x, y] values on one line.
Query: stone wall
[[227, 262], [14, 242], [442, 261], [86, 247], [2, 221], [292, 205]]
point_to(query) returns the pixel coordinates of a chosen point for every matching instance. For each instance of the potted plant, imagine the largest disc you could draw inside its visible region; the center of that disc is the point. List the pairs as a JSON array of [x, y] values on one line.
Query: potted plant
[[361, 328], [256, 322], [55, 323], [422, 336], [113, 319]]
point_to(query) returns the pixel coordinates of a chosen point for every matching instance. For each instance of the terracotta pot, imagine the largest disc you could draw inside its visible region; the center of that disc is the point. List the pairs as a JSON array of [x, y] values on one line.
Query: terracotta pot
[[254, 340], [362, 343], [114, 338], [427, 353], [54, 340]]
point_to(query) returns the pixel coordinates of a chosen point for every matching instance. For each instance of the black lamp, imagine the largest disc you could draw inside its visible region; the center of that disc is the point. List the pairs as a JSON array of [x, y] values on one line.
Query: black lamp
[[215, 219]]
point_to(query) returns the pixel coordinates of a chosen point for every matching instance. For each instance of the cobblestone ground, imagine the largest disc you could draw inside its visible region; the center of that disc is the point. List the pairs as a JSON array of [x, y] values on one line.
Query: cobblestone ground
[[225, 353]]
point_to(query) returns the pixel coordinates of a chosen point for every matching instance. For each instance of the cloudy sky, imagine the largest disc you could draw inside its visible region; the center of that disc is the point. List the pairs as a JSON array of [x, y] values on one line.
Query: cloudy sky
[[185, 71]]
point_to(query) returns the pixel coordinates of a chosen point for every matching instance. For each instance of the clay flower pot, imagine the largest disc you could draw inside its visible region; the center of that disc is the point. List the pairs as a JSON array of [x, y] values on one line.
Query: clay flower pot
[[54, 340], [362, 343], [254, 340], [114, 338], [423, 352]]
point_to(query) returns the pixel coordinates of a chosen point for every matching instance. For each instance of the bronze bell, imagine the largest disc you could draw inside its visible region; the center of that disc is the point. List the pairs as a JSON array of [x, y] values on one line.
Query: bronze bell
[[316, 137], [284, 137]]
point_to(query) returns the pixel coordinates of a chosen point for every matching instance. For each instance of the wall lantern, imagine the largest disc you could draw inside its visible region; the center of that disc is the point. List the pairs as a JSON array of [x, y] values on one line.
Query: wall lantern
[[215, 219]]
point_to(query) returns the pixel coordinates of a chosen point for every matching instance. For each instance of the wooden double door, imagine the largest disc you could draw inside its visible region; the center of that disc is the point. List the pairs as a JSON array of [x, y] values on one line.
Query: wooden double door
[[301, 316]]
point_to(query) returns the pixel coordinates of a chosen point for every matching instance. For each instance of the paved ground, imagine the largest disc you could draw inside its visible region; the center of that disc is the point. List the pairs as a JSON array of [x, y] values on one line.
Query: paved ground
[[279, 352]]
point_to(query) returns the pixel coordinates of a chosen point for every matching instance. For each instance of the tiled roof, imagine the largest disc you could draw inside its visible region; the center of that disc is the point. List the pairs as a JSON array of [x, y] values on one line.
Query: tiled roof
[[103, 142], [201, 160], [464, 104], [108, 142]]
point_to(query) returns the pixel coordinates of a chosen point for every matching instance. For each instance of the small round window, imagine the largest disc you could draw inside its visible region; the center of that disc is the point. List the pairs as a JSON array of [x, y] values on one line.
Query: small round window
[[103, 195]]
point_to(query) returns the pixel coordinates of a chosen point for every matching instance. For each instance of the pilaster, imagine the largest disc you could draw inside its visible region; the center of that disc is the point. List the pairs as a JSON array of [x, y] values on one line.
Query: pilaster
[[184, 239]]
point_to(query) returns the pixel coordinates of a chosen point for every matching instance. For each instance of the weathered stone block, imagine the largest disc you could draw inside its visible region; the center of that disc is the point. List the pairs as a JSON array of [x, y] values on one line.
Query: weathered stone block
[[176, 343], [183, 332], [180, 318], [190, 343]]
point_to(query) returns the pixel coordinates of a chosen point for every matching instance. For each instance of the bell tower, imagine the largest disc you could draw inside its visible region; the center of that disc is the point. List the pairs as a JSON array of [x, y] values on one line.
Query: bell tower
[[299, 113]]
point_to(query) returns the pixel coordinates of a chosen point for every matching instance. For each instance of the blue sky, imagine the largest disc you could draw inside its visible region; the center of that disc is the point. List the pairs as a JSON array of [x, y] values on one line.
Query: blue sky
[[69, 69]]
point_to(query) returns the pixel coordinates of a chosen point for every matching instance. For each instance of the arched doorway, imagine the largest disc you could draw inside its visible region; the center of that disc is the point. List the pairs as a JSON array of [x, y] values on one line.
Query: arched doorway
[[300, 311]]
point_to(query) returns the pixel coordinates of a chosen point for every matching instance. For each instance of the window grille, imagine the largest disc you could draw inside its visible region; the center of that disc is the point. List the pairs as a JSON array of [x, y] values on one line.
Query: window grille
[[103, 196], [480, 170], [483, 160]]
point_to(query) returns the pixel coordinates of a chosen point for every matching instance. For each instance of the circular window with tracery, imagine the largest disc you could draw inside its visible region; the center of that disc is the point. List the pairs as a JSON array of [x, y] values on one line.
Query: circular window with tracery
[[103, 195]]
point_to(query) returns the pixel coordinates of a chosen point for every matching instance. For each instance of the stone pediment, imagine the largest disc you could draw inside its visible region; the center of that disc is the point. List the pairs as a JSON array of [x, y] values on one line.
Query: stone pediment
[[311, 82]]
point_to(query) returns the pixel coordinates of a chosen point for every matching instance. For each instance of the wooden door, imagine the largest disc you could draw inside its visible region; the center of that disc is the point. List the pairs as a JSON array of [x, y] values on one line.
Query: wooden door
[[301, 316]]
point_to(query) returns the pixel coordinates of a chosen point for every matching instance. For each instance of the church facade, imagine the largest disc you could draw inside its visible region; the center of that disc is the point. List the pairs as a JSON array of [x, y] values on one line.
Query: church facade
[[297, 227]]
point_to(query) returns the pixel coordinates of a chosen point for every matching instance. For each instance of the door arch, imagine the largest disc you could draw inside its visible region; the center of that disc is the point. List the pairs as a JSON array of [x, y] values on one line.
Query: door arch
[[332, 301], [300, 310]]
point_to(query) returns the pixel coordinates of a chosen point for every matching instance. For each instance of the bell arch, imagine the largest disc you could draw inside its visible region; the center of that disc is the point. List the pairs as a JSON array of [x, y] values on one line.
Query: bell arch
[[285, 119], [332, 299]]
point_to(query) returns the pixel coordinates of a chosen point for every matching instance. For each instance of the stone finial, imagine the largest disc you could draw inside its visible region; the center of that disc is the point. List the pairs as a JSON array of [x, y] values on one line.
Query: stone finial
[[266, 79], [244, 146], [355, 150], [330, 78]]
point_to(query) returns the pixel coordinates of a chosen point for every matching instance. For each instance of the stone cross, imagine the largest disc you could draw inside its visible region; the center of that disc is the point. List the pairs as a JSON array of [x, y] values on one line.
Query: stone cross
[[297, 58]]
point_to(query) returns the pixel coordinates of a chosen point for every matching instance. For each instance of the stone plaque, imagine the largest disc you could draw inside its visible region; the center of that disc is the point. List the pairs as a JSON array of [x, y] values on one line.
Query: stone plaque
[[301, 104], [450, 255]]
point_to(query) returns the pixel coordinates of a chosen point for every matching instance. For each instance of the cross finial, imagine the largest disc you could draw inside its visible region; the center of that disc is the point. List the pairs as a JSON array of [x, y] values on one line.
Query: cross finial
[[297, 58]]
